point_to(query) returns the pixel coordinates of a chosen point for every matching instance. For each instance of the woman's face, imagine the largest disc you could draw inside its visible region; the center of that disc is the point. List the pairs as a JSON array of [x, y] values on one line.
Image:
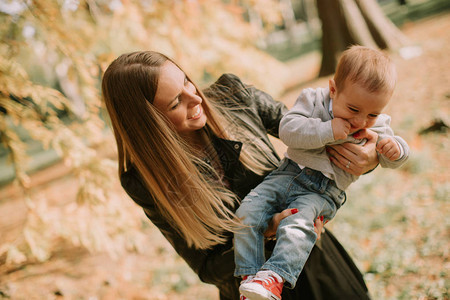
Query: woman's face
[[177, 98]]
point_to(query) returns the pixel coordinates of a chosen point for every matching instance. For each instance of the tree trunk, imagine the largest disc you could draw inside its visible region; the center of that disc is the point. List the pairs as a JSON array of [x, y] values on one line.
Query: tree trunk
[[384, 32], [335, 35], [354, 22]]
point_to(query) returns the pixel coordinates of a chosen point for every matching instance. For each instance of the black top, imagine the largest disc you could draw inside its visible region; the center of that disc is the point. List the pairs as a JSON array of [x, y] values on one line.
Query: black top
[[329, 272]]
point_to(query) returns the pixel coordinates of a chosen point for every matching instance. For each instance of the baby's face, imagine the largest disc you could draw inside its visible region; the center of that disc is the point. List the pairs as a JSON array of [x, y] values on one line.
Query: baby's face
[[357, 105]]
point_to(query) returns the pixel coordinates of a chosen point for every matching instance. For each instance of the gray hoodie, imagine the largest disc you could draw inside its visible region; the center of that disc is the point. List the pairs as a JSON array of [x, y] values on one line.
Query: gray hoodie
[[306, 130]]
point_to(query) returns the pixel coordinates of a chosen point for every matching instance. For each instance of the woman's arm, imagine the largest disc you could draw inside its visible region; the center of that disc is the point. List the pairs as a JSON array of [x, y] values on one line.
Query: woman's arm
[[356, 159], [269, 111], [272, 227], [212, 266]]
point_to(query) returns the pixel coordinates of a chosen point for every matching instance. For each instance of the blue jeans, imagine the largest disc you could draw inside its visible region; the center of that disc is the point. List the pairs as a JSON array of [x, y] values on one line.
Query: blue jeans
[[288, 186]]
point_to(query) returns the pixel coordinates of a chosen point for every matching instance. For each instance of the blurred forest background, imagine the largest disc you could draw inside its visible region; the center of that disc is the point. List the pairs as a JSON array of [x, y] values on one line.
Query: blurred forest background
[[68, 231]]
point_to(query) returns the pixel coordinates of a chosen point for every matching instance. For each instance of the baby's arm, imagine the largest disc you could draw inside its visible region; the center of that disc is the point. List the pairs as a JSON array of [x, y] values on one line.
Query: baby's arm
[[389, 148], [303, 126], [386, 135]]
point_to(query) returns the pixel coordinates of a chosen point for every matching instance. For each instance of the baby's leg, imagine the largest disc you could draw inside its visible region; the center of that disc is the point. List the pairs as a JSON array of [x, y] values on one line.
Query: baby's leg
[[296, 236], [257, 208]]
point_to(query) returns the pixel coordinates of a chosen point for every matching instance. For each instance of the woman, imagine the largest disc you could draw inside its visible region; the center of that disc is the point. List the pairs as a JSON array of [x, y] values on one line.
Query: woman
[[188, 156]]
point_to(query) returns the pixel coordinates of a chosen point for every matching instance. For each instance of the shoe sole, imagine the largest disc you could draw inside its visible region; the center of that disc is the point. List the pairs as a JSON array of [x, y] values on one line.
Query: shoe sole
[[257, 292]]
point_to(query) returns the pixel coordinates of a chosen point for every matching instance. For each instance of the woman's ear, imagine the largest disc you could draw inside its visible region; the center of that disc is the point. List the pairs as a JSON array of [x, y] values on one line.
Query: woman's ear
[[333, 89]]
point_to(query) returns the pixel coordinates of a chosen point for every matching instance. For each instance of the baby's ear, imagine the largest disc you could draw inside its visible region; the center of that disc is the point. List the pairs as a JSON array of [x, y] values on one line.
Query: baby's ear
[[332, 86]]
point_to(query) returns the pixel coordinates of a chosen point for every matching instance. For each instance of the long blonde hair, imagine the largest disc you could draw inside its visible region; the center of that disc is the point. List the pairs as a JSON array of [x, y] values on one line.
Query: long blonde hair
[[199, 208]]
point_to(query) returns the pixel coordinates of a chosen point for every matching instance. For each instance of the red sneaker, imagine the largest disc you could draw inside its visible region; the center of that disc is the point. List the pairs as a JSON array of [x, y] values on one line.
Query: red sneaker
[[245, 279], [266, 285]]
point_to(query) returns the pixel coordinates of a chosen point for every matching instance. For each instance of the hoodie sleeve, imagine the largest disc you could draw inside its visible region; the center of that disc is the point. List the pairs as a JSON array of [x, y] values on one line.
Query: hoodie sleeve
[[382, 127], [304, 126]]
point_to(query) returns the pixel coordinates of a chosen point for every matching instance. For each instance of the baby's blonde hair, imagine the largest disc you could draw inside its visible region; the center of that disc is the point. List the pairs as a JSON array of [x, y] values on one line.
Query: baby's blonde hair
[[372, 69]]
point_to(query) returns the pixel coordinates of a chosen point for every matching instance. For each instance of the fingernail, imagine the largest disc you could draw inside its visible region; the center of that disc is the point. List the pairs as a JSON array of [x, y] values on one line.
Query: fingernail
[[356, 135], [321, 218], [294, 211]]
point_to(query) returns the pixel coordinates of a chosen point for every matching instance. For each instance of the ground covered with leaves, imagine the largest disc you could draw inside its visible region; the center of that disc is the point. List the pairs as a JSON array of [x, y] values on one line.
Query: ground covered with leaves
[[394, 223]]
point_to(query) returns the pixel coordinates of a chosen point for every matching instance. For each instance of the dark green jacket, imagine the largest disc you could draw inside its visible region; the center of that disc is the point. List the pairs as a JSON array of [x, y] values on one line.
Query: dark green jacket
[[329, 273]]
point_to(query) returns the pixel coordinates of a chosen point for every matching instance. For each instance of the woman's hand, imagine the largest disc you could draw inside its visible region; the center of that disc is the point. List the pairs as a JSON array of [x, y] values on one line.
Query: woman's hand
[[271, 230], [356, 159]]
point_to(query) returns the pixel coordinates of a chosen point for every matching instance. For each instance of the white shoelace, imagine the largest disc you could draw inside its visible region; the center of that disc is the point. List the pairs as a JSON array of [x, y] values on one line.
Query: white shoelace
[[268, 276], [249, 277]]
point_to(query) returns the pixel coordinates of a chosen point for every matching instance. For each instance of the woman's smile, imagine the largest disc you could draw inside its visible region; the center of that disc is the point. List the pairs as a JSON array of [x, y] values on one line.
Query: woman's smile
[[197, 113]]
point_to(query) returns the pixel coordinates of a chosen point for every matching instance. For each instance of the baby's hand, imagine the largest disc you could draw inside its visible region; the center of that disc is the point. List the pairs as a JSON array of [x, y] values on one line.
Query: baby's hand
[[389, 148], [341, 128]]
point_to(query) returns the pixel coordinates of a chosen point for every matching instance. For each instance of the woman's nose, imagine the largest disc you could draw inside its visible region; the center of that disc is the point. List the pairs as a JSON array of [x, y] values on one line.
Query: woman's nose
[[191, 95], [195, 100]]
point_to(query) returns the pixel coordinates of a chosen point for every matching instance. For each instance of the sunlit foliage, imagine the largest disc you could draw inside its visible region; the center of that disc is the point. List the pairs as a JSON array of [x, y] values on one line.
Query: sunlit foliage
[[52, 55]]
